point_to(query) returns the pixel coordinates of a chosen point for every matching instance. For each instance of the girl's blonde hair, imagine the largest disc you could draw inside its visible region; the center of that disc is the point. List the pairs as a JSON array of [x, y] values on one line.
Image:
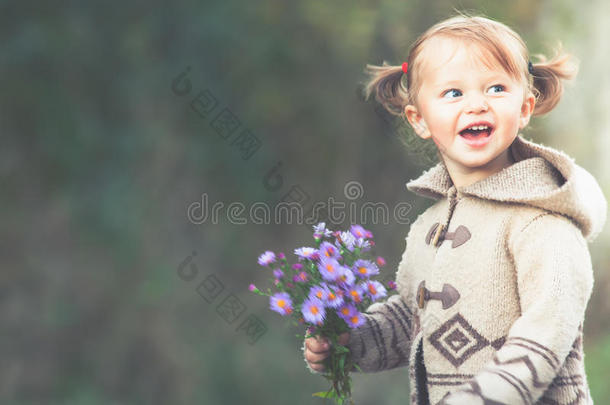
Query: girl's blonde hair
[[493, 38]]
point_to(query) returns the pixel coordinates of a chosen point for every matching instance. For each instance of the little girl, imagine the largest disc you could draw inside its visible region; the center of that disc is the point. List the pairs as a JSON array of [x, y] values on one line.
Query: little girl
[[496, 275]]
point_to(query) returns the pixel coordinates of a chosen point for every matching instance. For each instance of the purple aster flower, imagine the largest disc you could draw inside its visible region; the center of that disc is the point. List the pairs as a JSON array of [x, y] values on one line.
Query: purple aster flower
[[391, 285], [375, 289], [363, 244], [355, 293], [333, 299], [350, 314], [300, 278], [306, 253], [365, 268], [278, 273], [297, 266], [320, 230], [346, 277], [320, 292], [380, 261], [328, 251], [358, 231], [313, 311], [346, 310], [347, 239], [281, 303], [266, 258], [330, 269], [355, 320]]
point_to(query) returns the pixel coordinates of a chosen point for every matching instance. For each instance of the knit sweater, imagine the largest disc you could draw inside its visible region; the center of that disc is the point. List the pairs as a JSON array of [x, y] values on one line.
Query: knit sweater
[[493, 286]]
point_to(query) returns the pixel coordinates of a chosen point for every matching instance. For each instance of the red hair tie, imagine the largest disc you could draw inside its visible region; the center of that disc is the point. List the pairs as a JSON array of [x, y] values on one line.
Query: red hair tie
[[405, 65]]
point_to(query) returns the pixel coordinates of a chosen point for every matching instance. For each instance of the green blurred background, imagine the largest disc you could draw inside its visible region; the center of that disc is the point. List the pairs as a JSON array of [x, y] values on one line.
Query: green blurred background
[[100, 159]]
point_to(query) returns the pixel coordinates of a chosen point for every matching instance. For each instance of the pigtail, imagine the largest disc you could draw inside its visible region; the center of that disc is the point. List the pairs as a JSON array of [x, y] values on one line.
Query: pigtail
[[386, 83], [548, 79]]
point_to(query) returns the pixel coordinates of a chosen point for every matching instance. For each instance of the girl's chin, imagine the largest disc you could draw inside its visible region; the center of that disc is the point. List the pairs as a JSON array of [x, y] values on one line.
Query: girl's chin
[[469, 163]]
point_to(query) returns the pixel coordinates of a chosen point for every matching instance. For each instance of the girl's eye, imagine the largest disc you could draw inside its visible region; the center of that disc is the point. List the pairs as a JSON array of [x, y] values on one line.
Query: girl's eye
[[496, 88], [452, 93]]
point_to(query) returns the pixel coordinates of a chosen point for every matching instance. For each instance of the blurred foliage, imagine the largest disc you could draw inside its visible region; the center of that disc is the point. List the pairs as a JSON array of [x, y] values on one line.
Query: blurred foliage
[[100, 160]]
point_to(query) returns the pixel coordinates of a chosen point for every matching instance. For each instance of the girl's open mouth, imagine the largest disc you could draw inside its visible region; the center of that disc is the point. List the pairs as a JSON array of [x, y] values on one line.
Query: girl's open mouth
[[477, 135]]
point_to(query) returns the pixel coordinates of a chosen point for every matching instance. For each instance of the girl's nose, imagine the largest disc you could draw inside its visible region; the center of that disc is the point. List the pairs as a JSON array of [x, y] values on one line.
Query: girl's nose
[[476, 103]]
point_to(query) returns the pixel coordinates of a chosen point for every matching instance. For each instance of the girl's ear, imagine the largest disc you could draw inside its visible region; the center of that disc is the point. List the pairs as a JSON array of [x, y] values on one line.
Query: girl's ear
[[527, 108], [417, 121]]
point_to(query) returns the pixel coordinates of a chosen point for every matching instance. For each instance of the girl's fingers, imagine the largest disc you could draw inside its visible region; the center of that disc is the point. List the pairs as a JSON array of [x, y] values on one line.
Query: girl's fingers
[[315, 358], [317, 345], [317, 367], [317, 349]]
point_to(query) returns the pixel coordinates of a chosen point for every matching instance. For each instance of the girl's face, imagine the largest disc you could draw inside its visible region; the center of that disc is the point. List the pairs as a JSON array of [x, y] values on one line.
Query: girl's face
[[458, 91]]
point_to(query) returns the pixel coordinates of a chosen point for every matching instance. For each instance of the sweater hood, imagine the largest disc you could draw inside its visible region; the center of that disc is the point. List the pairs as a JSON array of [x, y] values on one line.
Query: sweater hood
[[541, 177]]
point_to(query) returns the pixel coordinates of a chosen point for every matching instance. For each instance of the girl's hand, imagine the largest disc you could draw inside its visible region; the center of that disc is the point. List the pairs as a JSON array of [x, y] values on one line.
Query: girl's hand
[[317, 349]]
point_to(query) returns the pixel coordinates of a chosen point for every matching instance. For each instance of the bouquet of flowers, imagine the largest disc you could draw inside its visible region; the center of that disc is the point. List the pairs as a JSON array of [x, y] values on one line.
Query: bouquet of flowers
[[326, 290]]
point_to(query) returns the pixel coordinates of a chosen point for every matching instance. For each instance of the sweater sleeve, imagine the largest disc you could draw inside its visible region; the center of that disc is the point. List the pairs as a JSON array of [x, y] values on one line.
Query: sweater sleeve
[[383, 342], [554, 280]]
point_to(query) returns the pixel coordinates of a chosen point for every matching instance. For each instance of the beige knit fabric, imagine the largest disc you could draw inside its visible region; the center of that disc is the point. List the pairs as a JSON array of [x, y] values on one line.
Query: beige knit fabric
[[503, 292]]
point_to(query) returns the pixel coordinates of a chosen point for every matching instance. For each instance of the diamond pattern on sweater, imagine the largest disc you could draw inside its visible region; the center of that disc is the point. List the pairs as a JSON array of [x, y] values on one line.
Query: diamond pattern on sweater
[[457, 340]]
